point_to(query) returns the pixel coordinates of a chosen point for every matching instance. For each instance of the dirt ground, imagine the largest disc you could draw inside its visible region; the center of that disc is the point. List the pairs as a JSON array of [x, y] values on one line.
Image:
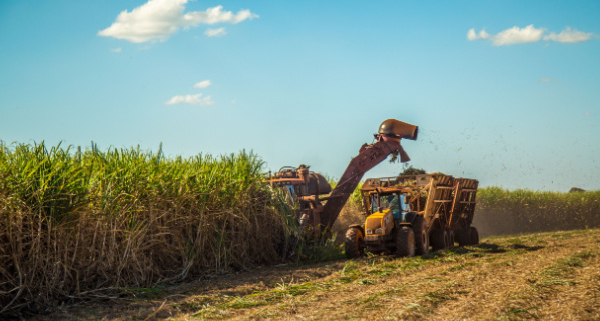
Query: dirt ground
[[546, 276]]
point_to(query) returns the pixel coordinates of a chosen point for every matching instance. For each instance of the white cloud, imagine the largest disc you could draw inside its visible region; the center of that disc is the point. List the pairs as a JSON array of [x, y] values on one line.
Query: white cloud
[[215, 32], [528, 34], [517, 35], [215, 15], [202, 84], [471, 35], [116, 50], [190, 99], [157, 20], [545, 79], [586, 114], [569, 36]]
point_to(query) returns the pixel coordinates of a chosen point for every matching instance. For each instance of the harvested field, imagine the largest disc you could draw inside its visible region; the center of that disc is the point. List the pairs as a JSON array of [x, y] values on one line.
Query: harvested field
[[552, 275]]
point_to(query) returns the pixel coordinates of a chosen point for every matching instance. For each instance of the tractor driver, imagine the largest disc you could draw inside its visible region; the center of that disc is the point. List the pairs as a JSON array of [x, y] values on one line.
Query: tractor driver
[[392, 201], [395, 202]]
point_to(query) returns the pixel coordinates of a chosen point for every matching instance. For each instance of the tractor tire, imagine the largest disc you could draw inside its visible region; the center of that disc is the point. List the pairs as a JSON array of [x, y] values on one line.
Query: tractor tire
[[439, 239], [474, 236], [463, 236], [404, 238], [354, 243], [450, 233], [421, 236]]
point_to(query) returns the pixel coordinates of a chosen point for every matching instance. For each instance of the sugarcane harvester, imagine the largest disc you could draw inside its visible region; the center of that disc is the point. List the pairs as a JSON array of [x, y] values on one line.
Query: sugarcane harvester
[[304, 188]]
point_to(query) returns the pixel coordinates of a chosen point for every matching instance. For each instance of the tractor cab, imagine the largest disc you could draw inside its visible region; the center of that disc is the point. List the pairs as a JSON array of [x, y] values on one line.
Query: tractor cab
[[396, 202]]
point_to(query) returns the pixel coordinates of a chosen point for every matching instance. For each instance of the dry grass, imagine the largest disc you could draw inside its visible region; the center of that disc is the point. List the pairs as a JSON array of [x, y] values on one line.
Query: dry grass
[[536, 276]]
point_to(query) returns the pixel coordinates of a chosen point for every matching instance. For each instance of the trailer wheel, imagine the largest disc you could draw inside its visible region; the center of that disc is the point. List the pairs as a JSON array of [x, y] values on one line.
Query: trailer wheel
[[474, 236], [405, 242], [450, 233], [421, 236], [439, 239], [354, 243], [463, 236]]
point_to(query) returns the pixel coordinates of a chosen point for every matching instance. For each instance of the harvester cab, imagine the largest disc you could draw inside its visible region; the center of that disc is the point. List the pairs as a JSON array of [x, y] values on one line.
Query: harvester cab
[[302, 188]]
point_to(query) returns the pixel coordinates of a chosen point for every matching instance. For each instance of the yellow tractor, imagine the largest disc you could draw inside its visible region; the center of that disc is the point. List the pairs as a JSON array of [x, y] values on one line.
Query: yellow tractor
[[405, 214]]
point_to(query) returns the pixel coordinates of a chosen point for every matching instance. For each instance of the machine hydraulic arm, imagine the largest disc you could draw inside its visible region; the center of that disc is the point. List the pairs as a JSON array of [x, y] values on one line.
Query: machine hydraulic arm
[[388, 138]]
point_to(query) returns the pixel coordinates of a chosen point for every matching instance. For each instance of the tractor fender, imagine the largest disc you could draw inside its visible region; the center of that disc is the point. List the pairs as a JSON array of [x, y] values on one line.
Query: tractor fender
[[409, 218], [358, 226]]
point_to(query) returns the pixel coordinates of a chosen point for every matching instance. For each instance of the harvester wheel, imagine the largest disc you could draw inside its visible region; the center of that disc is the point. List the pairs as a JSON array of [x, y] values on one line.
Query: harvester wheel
[[439, 239], [405, 242], [474, 236], [450, 233], [421, 236], [463, 236], [354, 243]]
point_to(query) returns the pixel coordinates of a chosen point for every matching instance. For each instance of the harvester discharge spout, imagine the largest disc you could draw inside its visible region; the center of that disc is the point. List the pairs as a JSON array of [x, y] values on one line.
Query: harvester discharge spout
[[398, 129], [392, 130]]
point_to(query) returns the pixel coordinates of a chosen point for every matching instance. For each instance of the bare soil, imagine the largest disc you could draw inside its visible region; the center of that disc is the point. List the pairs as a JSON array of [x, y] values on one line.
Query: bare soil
[[547, 276]]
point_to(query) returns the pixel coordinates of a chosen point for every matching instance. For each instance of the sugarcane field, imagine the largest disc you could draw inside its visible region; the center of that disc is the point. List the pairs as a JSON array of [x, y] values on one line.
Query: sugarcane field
[[397, 160]]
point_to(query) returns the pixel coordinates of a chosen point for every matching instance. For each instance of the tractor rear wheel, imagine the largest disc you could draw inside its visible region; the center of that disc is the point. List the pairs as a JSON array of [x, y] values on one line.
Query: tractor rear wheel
[[354, 243], [439, 239], [421, 235], [404, 238], [474, 236]]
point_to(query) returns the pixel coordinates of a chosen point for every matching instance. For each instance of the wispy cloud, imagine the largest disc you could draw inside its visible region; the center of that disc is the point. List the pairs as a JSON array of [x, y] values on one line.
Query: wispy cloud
[[545, 79], [215, 32], [471, 35], [516, 35], [116, 50], [191, 100], [569, 36], [157, 20], [202, 84]]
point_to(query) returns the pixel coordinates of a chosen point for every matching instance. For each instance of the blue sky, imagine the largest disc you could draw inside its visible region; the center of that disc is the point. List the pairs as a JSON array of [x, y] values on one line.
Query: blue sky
[[507, 92]]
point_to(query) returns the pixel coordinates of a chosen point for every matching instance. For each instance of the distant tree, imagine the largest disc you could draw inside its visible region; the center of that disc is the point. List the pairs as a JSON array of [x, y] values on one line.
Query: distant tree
[[576, 190], [413, 171]]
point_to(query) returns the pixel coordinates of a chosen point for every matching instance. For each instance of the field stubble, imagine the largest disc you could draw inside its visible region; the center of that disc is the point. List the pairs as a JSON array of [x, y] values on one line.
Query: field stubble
[[553, 275]]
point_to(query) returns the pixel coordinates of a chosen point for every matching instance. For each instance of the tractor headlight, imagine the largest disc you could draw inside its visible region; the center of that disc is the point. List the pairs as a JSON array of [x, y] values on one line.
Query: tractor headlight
[[379, 231], [369, 231]]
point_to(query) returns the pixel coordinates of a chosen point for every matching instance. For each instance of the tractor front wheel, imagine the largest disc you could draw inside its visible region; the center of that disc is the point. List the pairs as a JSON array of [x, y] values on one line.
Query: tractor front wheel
[[405, 242], [354, 243]]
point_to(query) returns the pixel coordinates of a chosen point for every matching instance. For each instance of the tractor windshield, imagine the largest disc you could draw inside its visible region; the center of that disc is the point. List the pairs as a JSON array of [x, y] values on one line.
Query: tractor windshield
[[395, 202]]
